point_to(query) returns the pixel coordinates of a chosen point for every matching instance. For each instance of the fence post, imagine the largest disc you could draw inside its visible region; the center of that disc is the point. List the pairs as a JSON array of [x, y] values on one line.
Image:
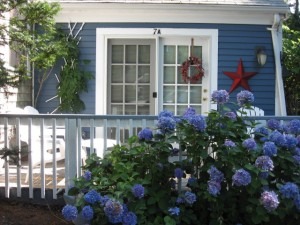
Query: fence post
[[71, 152]]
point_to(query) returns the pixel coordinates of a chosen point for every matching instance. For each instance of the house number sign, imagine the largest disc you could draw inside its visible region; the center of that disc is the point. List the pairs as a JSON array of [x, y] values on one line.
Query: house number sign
[[156, 31]]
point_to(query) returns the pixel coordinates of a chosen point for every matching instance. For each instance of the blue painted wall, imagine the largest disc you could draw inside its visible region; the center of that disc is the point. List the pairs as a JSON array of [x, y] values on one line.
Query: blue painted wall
[[235, 42]]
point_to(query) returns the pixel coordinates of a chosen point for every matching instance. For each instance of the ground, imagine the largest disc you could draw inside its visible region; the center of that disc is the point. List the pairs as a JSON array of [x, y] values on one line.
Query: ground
[[18, 213]]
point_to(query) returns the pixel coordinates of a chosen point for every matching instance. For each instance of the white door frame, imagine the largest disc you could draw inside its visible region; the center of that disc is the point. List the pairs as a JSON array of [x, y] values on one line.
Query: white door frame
[[103, 34]]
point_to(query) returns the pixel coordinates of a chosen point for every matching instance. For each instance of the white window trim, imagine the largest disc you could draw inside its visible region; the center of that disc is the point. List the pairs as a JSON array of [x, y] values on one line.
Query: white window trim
[[103, 34]]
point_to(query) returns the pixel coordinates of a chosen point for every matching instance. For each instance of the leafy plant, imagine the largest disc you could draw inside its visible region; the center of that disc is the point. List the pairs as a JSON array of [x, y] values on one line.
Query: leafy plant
[[194, 170]]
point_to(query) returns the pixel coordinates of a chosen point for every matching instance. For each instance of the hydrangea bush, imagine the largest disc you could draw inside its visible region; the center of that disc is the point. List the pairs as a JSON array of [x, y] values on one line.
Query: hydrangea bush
[[230, 170]]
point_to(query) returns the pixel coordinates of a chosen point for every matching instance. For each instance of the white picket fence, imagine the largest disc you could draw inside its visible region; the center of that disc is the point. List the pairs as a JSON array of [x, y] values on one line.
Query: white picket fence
[[54, 147]]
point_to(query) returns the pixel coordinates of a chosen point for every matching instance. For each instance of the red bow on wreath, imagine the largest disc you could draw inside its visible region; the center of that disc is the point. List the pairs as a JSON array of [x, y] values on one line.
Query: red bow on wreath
[[197, 65]]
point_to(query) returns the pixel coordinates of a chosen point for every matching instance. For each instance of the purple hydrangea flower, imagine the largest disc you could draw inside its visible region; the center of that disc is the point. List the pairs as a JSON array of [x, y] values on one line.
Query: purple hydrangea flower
[[174, 211], [220, 96], [69, 212], [278, 138], [230, 115], [289, 190], [215, 174], [189, 112], [87, 175], [103, 200], [290, 141], [166, 123], [214, 187], [92, 197], [244, 97], [138, 191], [87, 212], [198, 122], [269, 200], [145, 134], [294, 126], [264, 174], [179, 200], [297, 151], [249, 144], [264, 163], [114, 211], [269, 149], [178, 173], [229, 143], [273, 124], [241, 177], [189, 197], [129, 218]]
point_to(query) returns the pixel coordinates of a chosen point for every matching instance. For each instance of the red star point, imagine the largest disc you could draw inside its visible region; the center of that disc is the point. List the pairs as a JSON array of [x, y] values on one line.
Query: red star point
[[240, 77]]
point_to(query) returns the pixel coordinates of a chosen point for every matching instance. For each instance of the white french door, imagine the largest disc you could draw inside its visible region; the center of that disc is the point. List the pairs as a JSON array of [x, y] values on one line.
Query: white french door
[[138, 70]]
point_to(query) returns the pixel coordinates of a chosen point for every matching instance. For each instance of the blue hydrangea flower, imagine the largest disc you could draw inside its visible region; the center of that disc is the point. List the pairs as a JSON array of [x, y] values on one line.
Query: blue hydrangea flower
[[165, 113], [138, 191], [189, 197], [114, 211], [87, 212], [261, 133], [145, 134], [178, 173], [166, 124], [269, 149], [241, 177], [278, 138], [249, 144], [215, 174], [290, 141], [92, 197], [87, 175], [174, 211], [298, 138], [289, 190], [214, 187], [273, 124], [129, 218], [103, 200], [264, 163], [198, 122], [179, 200], [220, 96], [230, 115], [189, 112], [269, 200], [229, 143], [244, 97], [294, 126], [69, 212], [264, 174]]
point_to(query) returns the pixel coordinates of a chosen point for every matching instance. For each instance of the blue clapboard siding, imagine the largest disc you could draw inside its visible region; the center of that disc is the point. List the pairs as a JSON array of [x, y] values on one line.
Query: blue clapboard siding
[[235, 42]]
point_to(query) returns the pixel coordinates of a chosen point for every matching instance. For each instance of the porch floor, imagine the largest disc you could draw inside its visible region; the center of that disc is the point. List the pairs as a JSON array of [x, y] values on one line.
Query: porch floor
[[36, 178]]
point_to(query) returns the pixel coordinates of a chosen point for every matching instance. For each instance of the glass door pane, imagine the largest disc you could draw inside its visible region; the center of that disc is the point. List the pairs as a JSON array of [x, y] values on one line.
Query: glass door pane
[[131, 80], [177, 94]]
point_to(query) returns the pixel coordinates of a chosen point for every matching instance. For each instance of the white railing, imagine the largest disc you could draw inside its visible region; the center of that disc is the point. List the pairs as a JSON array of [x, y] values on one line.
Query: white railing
[[54, 147]]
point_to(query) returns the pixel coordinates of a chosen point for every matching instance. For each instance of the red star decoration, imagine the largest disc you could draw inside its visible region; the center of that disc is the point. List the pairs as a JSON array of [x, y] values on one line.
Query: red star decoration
[[240, 77]]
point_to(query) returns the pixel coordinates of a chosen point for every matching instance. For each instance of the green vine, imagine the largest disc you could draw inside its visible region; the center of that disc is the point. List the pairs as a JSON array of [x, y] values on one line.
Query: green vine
[[73, 79]]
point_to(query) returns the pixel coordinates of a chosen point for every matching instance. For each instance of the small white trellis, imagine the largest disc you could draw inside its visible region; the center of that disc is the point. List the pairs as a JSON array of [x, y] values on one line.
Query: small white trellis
[[73, 35]]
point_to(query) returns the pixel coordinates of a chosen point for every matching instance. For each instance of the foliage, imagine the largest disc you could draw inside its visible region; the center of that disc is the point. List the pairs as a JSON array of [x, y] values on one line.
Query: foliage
[[291, 44], [8, 77], [193, 170], [73, 78]]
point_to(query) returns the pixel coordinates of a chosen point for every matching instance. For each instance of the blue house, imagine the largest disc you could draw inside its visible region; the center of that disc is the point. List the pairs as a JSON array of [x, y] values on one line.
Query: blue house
[[137, 49]]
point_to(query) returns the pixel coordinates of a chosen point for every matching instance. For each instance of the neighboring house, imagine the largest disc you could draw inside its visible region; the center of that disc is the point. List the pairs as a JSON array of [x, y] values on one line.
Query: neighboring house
[[136, 48]]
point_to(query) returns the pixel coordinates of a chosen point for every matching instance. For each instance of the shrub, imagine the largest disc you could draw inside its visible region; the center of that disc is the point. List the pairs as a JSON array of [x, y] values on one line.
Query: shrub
[[224, 175]]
